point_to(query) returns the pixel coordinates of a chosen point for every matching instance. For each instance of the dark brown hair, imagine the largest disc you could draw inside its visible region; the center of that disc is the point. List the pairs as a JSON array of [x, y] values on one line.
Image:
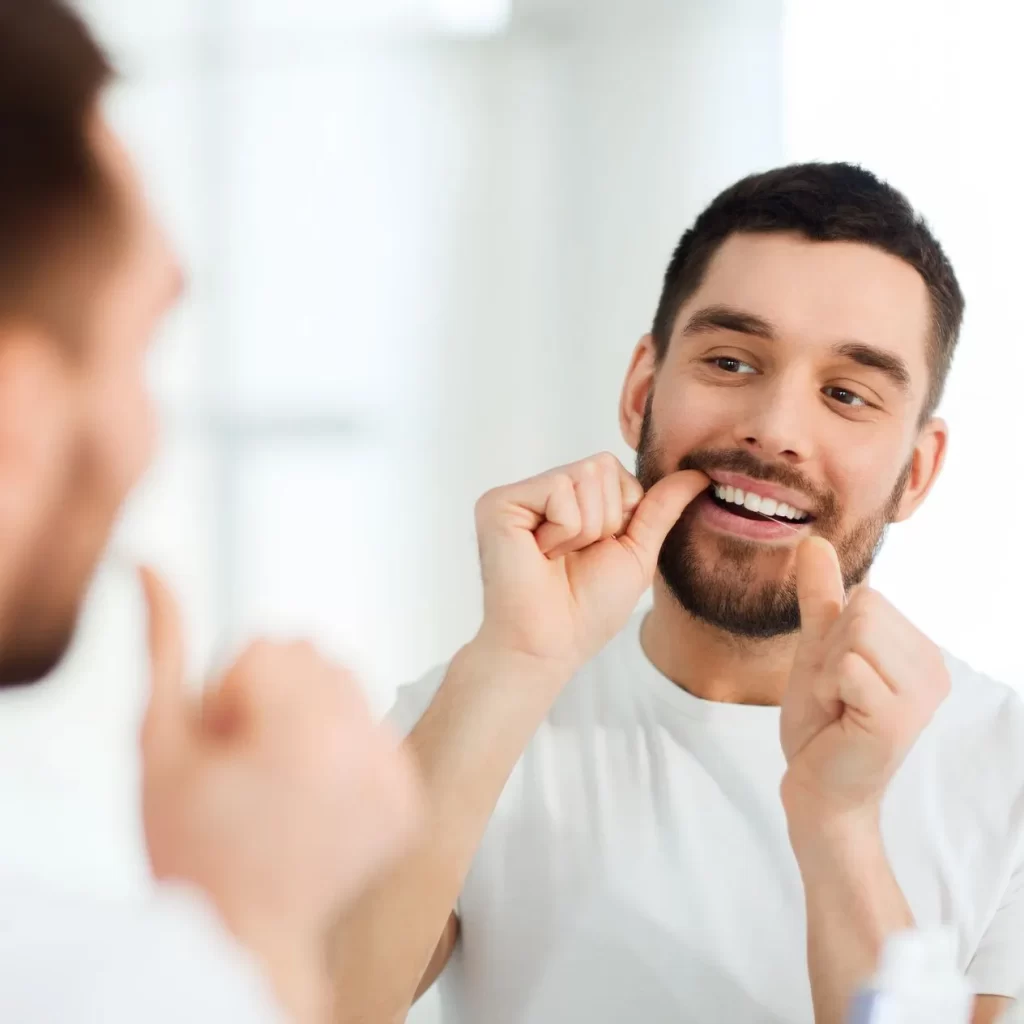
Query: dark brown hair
[[825, 203], [55, 202]]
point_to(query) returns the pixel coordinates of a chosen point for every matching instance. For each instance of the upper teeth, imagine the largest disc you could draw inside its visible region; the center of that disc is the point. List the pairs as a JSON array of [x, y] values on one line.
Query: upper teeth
[[755, 503]]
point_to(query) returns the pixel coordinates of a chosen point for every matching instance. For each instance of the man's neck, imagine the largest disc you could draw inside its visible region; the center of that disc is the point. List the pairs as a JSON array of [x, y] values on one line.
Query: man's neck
[[710, 663]]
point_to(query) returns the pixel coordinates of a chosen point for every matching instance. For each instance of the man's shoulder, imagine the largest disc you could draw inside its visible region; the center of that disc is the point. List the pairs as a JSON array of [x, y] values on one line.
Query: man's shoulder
[[981, 692], [982, 717]]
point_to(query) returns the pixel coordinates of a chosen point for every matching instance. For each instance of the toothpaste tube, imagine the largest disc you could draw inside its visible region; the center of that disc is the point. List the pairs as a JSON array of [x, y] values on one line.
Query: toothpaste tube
[[918, 982]]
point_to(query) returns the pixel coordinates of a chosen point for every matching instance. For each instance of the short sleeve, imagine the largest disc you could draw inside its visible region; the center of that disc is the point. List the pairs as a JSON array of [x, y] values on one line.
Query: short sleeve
[[998, 965], [413, 700]]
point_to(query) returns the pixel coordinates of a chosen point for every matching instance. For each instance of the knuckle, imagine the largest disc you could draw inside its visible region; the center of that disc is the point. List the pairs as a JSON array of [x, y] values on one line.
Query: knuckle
[[850, 665], [562, 485], [351, 699], [869, 602], [859, 624], [485, 503], [305, 648], [254, 656]]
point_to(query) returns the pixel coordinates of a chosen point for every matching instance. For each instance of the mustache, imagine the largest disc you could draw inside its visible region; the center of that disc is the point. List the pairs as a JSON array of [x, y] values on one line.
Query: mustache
[[738, 460]]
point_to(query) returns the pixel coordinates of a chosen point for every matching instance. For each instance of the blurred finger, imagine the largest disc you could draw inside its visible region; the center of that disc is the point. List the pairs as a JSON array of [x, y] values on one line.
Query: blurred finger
[[166, 713]]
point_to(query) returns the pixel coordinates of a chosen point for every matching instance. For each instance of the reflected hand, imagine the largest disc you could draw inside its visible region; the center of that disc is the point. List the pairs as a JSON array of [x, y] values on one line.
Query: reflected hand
[[865, 683], [276, 795], [565, 556]]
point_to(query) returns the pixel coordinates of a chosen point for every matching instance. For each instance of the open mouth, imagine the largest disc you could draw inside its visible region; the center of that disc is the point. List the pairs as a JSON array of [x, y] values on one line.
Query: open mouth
[[750, 505]]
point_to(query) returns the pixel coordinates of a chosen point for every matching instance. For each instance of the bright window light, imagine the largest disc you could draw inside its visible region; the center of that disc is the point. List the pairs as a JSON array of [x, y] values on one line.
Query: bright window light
[[471, 17]]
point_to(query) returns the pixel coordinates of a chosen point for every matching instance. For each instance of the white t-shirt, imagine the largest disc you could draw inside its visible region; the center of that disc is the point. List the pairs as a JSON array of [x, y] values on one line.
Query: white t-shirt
[[637, 866], [71, 958]]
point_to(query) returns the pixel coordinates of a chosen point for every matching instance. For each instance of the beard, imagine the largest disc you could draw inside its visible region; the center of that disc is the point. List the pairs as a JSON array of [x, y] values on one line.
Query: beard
[[54, 576], [39, 635], [728, 592]]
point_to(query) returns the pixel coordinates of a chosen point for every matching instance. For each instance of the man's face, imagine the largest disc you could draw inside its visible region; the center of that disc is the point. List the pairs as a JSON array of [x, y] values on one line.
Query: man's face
[[795, 378], [104, 435]]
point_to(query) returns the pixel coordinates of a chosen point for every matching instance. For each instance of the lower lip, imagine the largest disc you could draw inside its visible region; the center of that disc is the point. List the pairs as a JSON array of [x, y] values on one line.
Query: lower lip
[[764, 530]]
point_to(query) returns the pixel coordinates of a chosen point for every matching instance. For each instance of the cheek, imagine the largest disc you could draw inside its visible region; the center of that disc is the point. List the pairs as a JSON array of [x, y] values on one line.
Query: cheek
[[124, 428], [862, 476], [688, 417]]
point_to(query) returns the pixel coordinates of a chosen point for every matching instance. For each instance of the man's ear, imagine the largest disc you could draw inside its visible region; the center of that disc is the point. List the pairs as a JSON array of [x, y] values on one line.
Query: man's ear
[[35, 412], [636, 390], [926, 463]]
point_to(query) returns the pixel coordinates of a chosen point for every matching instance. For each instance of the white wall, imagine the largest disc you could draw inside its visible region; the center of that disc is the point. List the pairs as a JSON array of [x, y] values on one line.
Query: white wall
[[929, 95], [592, 145], [419, 267]]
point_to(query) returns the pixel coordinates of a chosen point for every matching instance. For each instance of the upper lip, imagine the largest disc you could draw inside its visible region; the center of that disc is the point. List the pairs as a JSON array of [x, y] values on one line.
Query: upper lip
[[795, 499]]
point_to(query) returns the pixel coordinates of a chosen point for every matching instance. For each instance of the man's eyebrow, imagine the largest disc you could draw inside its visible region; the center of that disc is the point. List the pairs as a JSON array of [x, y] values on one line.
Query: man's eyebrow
[[877, 359], [727, 318]]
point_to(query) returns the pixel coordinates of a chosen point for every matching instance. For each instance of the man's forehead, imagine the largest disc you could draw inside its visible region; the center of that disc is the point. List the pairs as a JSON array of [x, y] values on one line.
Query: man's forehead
[[819, 291]]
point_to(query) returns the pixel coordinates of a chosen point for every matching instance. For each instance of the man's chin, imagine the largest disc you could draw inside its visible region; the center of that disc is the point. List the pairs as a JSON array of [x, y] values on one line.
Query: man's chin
[[28, 663], [739, 617], [745, 601]]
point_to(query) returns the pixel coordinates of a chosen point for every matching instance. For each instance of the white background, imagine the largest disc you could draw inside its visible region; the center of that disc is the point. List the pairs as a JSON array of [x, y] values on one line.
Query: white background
[[420, 258]]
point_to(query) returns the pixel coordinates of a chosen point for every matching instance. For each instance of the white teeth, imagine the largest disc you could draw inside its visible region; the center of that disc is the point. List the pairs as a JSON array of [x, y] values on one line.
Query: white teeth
[[755, 503]]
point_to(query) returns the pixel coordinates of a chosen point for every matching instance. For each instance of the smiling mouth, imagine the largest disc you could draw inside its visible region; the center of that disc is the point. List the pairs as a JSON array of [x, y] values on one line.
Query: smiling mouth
[[751, 505]]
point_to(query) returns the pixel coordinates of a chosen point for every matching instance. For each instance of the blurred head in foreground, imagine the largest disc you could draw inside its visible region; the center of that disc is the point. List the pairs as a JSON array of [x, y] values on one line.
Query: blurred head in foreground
[[85, 277]]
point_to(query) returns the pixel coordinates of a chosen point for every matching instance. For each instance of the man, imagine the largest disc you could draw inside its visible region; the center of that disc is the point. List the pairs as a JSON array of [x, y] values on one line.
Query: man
[[607, 836], [277, 799]]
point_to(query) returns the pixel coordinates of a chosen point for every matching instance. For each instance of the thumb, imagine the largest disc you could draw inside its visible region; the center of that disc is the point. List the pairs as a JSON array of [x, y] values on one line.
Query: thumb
[[168, 700], [658, 512], [820, 587]]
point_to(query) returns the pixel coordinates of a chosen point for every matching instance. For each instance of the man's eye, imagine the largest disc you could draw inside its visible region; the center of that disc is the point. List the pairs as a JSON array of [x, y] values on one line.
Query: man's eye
[[730, 365], [844, 397]]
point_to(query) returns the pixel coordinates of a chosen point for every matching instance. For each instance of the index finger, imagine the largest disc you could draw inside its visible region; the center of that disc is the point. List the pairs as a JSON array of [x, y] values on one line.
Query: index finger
[[167, 696]]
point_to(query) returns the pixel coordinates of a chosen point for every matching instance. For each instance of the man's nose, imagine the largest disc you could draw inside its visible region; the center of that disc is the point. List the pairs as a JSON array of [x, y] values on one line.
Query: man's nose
[[776, 422]]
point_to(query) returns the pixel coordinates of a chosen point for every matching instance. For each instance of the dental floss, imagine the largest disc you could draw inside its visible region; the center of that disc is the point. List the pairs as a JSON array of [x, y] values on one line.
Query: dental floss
[[772, 519]]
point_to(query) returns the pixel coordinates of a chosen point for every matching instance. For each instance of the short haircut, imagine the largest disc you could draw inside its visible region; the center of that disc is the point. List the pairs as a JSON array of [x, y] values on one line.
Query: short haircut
[[56, 206], [835, 202]]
